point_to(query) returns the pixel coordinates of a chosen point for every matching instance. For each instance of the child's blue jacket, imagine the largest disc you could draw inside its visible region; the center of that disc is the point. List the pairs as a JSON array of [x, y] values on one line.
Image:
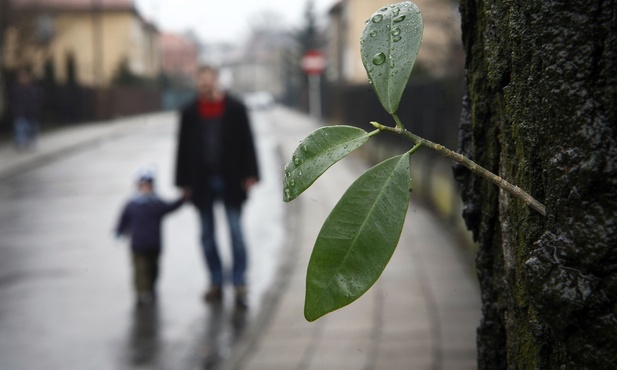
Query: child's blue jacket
[[141, 219]]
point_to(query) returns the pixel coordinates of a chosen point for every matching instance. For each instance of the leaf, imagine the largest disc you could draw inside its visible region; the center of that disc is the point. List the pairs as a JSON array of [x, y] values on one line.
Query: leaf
[[318, 152], [389, 45], [358, 238]]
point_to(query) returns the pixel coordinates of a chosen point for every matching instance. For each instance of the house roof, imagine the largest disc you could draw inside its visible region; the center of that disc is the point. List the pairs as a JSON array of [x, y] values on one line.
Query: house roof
[[75, 4], [174, 41]]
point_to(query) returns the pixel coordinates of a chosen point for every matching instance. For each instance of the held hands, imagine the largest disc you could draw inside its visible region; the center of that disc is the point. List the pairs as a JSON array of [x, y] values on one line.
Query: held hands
[[187, 193], [248, 183]]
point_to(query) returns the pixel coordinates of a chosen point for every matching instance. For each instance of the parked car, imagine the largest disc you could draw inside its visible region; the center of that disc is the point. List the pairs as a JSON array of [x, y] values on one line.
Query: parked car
[[259, 100]]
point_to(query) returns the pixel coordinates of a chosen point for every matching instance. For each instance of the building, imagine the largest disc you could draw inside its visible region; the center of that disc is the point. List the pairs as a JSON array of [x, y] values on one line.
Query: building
[[89, 41], [179, 55], [179, 62], [264, 63]]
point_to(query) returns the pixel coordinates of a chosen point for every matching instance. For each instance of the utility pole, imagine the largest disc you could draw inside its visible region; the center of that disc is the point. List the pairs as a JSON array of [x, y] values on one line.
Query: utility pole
[[97, 53], [313, 64]]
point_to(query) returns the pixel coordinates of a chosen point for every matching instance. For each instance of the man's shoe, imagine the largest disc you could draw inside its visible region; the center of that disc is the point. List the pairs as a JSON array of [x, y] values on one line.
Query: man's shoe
[[215, 294]]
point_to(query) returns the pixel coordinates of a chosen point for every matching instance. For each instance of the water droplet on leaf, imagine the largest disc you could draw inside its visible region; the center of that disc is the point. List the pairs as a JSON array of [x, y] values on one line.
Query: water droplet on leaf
[[377, 18], [396, 31], [379, 58], [397, 39], [399, 19], [373, 33]]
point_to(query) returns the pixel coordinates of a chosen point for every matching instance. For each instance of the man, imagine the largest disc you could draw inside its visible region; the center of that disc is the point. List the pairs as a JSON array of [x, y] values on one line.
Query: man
[[216, 161], [26, 104]]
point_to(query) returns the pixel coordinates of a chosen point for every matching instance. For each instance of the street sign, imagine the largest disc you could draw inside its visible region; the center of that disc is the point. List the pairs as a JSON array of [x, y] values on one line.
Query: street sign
[[313, 62]]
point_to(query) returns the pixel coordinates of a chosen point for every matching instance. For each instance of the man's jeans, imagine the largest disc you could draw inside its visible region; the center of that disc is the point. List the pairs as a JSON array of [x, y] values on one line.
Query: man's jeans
[[25, 131], [208, 239]]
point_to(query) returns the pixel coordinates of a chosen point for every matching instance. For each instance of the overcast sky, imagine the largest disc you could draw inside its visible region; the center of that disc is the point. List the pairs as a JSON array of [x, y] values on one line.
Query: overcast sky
[[227, 20]]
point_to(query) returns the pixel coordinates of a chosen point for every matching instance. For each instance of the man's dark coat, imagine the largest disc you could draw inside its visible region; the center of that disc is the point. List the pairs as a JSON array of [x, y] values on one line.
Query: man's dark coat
[[239, 157]]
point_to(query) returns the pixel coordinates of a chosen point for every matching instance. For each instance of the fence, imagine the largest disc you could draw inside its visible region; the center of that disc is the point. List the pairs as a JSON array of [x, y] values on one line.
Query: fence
[[68, 104]]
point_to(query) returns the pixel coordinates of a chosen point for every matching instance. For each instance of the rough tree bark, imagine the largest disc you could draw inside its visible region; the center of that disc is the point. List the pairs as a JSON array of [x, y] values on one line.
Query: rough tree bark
[[541, 110]]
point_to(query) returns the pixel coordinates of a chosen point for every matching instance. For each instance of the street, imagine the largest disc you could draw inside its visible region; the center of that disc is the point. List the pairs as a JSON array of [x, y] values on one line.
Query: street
[[66, 299]]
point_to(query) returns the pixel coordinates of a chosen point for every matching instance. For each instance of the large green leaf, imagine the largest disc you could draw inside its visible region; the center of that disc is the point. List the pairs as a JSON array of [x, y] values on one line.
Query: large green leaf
[[315, 154], [358, 238], [390, 43]]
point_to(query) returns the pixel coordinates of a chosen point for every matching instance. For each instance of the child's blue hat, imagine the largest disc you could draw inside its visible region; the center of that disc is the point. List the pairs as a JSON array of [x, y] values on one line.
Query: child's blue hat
[[145, 174]]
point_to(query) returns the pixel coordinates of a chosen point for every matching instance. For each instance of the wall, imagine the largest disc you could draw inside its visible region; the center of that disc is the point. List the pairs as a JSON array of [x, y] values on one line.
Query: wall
[[124, 37]]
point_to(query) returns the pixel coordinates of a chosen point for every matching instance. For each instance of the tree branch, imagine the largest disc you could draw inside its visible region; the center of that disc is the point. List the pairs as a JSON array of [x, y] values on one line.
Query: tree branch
[[471, 165]]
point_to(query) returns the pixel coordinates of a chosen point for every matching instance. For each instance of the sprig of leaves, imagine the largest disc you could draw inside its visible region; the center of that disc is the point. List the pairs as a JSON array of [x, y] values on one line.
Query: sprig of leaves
[[361, 233]]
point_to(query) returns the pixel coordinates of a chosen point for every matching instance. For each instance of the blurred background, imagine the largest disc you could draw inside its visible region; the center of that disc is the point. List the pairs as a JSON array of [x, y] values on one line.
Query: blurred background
[[103, 59], [99, 52], [103, 64]]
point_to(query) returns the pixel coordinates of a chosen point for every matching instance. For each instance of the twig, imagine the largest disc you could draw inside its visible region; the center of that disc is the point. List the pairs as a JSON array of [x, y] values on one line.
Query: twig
[[471, 165]]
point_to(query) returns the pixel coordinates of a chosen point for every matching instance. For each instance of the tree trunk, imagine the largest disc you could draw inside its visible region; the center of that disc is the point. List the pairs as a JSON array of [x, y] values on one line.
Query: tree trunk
[[541, 110]]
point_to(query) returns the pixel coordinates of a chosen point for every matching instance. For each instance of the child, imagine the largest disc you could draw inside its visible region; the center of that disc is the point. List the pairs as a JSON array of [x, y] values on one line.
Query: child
[[141, 221]]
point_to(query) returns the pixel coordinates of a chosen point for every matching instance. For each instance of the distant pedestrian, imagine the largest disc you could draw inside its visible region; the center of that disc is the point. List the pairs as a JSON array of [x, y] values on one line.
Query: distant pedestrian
[[141, 220], [216, 161], [26, 102]]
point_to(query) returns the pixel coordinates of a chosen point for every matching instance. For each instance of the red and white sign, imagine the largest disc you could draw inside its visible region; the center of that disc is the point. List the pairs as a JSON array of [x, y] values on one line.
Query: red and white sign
[[313, 62]]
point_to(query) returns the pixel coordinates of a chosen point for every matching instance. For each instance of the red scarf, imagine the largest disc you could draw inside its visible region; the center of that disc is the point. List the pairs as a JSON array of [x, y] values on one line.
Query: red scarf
[[211, 109]]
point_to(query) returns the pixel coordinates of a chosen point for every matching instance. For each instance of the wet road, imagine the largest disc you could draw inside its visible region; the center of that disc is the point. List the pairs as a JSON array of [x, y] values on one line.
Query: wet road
[[66, 299]]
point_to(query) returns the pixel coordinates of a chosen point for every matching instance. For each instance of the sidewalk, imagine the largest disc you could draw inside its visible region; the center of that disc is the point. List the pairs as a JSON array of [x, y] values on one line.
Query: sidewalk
[[421, 314], [58, 143]]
